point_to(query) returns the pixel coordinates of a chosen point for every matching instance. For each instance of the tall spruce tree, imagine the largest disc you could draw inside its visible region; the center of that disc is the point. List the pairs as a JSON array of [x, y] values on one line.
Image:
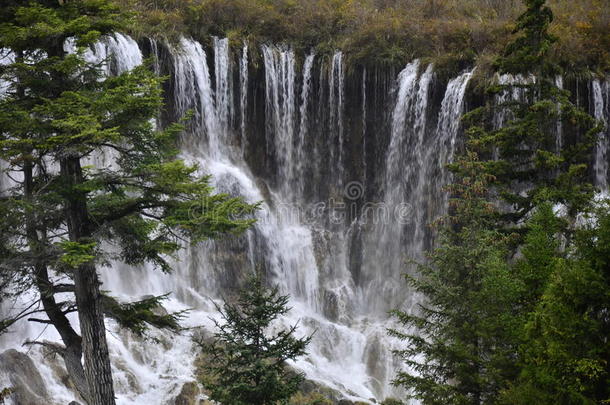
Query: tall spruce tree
[[528, 161], [564, 355], [459, 344], [494, 265], [60, 214], [247, 359]]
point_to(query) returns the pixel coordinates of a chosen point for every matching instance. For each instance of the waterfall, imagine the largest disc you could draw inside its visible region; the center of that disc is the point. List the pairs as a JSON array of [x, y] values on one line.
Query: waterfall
[[407, 81], [336, 105], [442, 151], [117, 54], [304, 125], [449, 120], [124, 53], [403, 165], [280, 78], [418, 202], [191, 72], [243, 92], [6, 57], [224, 88], [559, 128], [342, 276], [363, 112], [600, 165]]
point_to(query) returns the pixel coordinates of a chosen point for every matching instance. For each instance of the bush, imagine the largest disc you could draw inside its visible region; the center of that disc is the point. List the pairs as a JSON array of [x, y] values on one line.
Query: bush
[[383, 31]]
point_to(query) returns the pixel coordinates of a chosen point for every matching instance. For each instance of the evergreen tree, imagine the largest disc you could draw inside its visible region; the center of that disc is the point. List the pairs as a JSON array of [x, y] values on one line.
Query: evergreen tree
[[565, 354], [499, 321], [528, 161], [61, 214], [461, 340], [247, 359]]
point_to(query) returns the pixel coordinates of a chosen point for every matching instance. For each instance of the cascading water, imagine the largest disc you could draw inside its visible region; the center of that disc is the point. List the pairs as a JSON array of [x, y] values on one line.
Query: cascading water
[[339, 289], [299, 163], [336, 105], [243, 95], [190, 64], [559, 130], [600, 112], [224, 86], [280, 75]]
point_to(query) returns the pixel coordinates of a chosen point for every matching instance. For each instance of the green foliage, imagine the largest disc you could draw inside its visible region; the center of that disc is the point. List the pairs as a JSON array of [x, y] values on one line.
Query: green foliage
[[58, 107], [392, 401], [137, 316], [540, 251], [460, 341], [531, 48], [566, 354], [522, 154], [247, 361], [517, 298], [77, 253]]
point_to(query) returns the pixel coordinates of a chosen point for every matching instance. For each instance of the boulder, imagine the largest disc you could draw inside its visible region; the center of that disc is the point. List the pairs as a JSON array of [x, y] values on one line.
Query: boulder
[[25, 379], [189, 394]]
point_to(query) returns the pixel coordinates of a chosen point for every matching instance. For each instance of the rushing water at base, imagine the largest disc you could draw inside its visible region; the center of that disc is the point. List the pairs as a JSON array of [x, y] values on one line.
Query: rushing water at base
[[301, 144]]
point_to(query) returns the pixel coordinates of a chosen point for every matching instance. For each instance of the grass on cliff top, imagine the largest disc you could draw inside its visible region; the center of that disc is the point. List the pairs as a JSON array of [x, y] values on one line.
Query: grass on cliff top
[[384, 31]]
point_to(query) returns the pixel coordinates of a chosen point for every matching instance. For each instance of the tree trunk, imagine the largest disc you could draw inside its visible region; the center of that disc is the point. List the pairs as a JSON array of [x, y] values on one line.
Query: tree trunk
[[73, 349], [87, 291]]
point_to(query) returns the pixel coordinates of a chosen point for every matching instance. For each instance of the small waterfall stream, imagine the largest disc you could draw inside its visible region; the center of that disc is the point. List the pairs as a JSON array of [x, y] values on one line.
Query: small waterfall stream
[[336, 247], [600, 94]]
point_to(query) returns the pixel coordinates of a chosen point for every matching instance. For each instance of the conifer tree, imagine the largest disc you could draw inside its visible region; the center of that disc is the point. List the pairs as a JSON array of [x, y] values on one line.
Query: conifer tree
[[247, 359], [528, 161], [60, 215], [460, 340], [565, 353], [494, 288]]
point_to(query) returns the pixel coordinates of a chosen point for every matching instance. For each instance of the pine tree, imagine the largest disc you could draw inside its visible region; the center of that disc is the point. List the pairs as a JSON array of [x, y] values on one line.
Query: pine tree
[[499, 321], [523, 154], [460, 341], [565, 354], [247, 360], [61, 213]]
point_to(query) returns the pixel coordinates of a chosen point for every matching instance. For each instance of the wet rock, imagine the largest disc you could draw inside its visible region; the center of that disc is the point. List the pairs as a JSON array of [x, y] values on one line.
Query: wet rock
[[26, 382], [189, 394], [374, 352], [314, 387], [57, 366], [331, 305]]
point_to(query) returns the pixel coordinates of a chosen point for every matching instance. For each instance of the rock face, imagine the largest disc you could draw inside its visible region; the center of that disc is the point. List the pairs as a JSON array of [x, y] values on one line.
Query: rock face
[[190, 395], [26, 382]]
